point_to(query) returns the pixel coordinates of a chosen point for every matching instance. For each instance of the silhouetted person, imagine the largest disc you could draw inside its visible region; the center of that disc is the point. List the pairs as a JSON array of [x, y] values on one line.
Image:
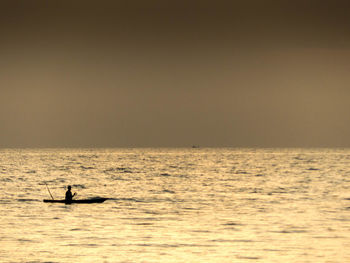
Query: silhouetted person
[[69, 196]]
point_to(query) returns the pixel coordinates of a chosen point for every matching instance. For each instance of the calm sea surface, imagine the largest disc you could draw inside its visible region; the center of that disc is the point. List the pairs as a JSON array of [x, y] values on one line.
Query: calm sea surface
[[176, 205]]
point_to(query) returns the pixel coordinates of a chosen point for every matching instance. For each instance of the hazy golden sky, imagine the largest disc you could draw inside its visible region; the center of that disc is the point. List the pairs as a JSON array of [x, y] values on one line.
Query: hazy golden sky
[[174, 73]]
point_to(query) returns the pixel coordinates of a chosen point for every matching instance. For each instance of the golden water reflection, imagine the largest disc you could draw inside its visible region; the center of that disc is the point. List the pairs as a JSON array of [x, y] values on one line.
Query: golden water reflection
[[176, 205]]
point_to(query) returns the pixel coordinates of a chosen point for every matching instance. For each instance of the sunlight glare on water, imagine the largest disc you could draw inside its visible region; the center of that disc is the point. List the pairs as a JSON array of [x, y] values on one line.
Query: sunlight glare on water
[[176, 205]]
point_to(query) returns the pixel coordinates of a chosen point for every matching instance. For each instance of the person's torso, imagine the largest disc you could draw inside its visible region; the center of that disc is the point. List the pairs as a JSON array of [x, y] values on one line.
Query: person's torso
[[68, 195]]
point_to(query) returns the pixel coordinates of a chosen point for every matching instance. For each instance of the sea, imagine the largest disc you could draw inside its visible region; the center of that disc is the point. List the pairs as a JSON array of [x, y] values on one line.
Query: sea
[[176, 205]]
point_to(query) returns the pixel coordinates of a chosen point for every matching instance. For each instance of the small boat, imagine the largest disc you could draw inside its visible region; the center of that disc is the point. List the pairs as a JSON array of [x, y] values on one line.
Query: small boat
[[78, 201]]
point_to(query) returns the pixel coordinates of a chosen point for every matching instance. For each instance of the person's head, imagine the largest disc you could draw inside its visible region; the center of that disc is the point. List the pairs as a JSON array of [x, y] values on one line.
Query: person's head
[[69, 187]]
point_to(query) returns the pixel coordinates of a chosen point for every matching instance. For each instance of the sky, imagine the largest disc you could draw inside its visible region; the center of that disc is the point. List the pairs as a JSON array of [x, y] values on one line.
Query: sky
[[174, 73]]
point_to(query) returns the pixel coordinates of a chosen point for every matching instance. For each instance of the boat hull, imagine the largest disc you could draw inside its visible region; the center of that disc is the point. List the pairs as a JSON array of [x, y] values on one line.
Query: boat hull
[[77, 201]]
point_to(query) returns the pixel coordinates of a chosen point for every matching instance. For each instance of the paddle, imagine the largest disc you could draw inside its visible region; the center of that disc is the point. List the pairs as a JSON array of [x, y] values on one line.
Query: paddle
[[49, 191]]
